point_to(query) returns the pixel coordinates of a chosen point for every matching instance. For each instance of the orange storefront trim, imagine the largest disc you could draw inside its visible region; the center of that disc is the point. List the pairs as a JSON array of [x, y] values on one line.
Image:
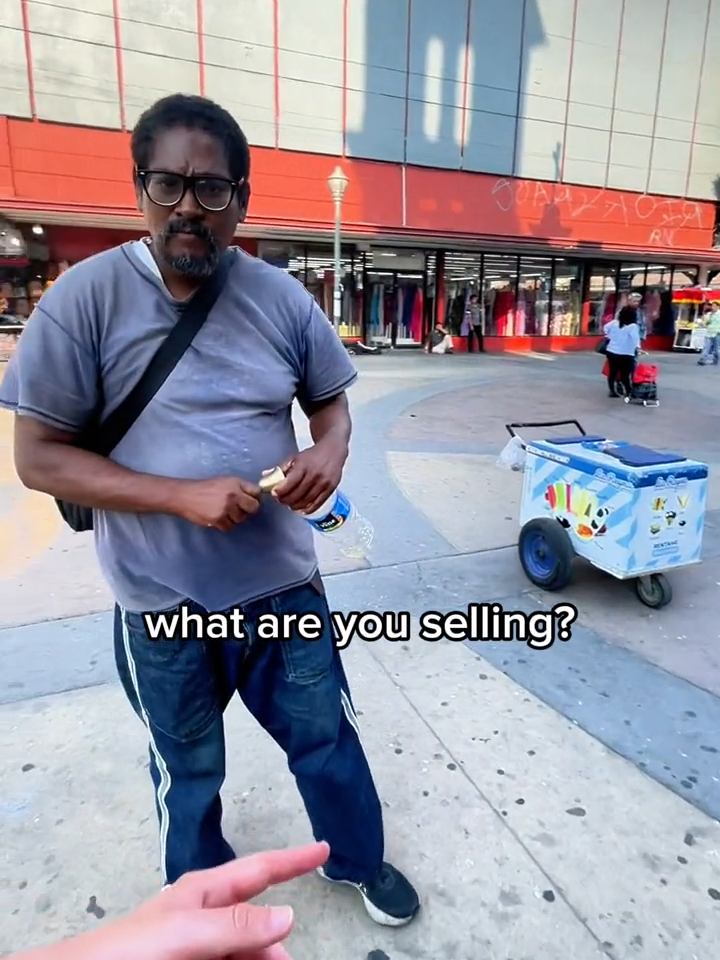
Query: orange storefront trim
[[531, 344], [57, 168]]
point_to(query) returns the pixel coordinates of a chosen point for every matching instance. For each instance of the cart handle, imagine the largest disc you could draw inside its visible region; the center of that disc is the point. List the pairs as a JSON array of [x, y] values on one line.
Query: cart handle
[[512, 428]]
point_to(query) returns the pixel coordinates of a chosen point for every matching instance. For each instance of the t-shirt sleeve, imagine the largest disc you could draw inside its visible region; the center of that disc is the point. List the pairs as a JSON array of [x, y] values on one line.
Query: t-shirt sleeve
[[53, 374], [327, 369]]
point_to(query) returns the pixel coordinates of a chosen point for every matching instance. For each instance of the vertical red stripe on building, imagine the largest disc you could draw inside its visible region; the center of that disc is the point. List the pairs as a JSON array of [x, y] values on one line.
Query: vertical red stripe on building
[[344, 77], [561, 171], [276, 68], [615, 90], [201, 44], [703, 56], [408, 41], [663, 47], [465, 80], [119, 63], [521, 58], [25, 9]]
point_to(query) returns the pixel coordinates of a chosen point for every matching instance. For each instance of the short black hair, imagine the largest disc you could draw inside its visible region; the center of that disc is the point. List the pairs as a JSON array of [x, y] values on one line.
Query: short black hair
[[192, 113]]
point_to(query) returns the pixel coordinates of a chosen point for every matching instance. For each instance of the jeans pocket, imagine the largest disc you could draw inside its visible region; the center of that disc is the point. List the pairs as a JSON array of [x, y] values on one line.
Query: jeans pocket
[[173, 679], [305, 661]]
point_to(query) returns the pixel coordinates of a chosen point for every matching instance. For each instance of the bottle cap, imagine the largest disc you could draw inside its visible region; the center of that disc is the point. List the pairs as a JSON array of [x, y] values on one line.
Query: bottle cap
[[269, 481]]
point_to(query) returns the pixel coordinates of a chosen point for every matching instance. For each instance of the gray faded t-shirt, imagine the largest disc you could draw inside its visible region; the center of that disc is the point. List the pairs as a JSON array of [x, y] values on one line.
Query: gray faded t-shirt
[[224, 411]]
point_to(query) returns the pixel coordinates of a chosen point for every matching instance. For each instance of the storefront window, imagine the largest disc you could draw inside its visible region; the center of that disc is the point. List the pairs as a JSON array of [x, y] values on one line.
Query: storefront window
[[684, 277], [533, 299], [601, 295], [657, 302], [463, 273], [395, 297], [566, 304], [314, 267], [633, 278], [500, 284]]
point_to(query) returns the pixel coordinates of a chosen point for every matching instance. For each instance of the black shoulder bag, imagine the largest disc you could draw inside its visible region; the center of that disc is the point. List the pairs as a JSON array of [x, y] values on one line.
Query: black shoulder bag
[[102, 438]]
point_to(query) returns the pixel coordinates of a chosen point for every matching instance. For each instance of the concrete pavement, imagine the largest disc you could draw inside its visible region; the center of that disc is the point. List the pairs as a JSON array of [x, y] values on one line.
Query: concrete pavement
[[547, 803]]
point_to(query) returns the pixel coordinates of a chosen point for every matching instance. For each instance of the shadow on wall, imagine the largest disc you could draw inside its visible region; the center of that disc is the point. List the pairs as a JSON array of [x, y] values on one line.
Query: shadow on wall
[[432, 132]]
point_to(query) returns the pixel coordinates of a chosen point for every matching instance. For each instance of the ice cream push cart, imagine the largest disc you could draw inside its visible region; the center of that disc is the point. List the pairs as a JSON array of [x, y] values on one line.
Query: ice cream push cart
[[632, 512]]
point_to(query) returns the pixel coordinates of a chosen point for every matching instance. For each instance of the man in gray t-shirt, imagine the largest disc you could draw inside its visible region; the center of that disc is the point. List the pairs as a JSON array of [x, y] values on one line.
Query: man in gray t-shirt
[[180, 524]]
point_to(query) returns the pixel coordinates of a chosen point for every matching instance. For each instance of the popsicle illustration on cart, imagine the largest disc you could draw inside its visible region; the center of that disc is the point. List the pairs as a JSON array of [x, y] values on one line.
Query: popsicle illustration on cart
[[577, 509]]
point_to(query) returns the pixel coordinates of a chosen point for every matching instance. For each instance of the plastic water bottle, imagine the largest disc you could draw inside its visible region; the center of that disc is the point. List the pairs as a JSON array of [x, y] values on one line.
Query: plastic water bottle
[[336, 518], [339, 519]]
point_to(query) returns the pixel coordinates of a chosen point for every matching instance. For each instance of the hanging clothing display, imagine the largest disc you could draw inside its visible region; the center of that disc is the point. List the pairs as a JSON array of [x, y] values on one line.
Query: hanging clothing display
[[396, 311], [504, 312]]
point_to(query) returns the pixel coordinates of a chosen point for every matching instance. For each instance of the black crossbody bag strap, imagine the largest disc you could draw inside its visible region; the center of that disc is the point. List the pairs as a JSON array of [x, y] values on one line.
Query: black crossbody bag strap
[[107, 435], [103, 437]]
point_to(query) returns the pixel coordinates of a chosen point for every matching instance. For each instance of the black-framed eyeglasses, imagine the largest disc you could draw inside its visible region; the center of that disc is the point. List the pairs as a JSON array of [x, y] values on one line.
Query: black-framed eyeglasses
[[166, 189]]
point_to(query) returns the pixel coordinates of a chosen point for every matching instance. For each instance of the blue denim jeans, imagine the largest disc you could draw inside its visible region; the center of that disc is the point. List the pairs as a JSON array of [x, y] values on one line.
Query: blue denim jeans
[[296, 689], [710, 354]]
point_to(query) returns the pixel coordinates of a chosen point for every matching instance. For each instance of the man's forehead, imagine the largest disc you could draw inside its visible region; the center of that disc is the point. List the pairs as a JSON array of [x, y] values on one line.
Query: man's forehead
[[188, 147]]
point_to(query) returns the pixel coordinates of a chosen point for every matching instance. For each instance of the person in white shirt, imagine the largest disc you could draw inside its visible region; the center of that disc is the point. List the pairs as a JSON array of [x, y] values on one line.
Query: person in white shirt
[[623, 343]]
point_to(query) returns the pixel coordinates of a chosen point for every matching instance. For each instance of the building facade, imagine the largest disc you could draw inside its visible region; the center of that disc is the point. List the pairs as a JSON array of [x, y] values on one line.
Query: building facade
[[547, 155]]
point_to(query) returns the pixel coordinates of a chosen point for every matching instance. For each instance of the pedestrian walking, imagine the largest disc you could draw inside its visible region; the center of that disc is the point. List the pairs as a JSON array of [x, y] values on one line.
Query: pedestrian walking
[[711, 349]]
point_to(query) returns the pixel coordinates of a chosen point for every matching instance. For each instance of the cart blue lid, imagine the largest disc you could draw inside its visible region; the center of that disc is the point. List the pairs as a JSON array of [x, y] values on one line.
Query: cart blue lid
[[633, 455], [589, 438]]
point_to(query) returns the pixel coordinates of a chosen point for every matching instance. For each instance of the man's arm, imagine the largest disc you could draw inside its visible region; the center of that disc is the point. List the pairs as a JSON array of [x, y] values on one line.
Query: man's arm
[[46, 460], [313, 474], [330, 421]]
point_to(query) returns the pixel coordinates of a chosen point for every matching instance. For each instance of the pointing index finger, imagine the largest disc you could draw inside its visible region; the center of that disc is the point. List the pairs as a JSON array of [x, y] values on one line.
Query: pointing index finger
[[241, 880]]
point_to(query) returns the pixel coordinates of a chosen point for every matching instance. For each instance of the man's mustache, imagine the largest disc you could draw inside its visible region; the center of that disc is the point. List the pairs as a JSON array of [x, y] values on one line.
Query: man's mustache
[[194, 228]]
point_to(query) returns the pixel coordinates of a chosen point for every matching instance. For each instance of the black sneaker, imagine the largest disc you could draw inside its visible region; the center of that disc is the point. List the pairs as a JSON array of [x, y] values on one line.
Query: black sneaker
[[390, 900]]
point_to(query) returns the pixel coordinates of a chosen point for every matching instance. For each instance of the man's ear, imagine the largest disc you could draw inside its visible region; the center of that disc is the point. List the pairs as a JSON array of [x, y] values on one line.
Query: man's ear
[[243, 201]]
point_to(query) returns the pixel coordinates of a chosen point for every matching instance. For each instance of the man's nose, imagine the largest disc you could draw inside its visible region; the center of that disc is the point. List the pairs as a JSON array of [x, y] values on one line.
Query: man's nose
[[188, 206]]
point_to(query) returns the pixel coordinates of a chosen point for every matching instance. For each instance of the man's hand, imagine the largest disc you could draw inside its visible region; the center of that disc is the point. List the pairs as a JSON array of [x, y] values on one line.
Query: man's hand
[[220, 503], [312, 475], [204, 916]]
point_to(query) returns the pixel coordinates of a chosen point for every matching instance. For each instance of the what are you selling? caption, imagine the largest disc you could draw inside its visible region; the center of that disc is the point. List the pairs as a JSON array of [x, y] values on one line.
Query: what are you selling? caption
[[480, 622]]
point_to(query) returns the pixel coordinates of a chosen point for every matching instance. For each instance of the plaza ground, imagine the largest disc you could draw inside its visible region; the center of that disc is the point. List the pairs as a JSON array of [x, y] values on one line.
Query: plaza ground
[[548, 804]]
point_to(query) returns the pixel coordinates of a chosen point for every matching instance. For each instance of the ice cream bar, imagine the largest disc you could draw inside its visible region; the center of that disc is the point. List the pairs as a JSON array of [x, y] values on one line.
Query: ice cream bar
[[269, 481]]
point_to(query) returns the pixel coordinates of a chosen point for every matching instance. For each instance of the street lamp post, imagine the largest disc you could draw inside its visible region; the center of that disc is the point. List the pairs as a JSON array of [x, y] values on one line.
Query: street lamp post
[[337, 182]]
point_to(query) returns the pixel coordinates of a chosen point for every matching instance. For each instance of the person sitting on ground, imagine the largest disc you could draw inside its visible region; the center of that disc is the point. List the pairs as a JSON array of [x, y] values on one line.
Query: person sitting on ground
[[439, 341], [623, 339], [204, 916]]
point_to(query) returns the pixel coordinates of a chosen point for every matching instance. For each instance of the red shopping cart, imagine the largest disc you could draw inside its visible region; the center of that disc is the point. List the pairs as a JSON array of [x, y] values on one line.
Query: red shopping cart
[[644, 384]]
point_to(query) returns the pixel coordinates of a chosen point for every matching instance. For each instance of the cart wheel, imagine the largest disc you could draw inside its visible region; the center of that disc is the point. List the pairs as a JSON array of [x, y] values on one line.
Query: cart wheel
[[654, 591], [546, 553]]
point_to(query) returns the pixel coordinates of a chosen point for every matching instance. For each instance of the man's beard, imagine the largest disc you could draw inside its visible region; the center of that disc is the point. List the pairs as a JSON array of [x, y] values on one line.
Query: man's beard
[[199, 267]]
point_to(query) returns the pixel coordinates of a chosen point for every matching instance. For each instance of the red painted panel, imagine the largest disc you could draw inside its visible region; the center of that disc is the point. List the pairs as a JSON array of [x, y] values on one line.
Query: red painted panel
[[468, 203], [6, 171], [551, 345], [85, 169], [54, 163], [78, 243], [292, 187]]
